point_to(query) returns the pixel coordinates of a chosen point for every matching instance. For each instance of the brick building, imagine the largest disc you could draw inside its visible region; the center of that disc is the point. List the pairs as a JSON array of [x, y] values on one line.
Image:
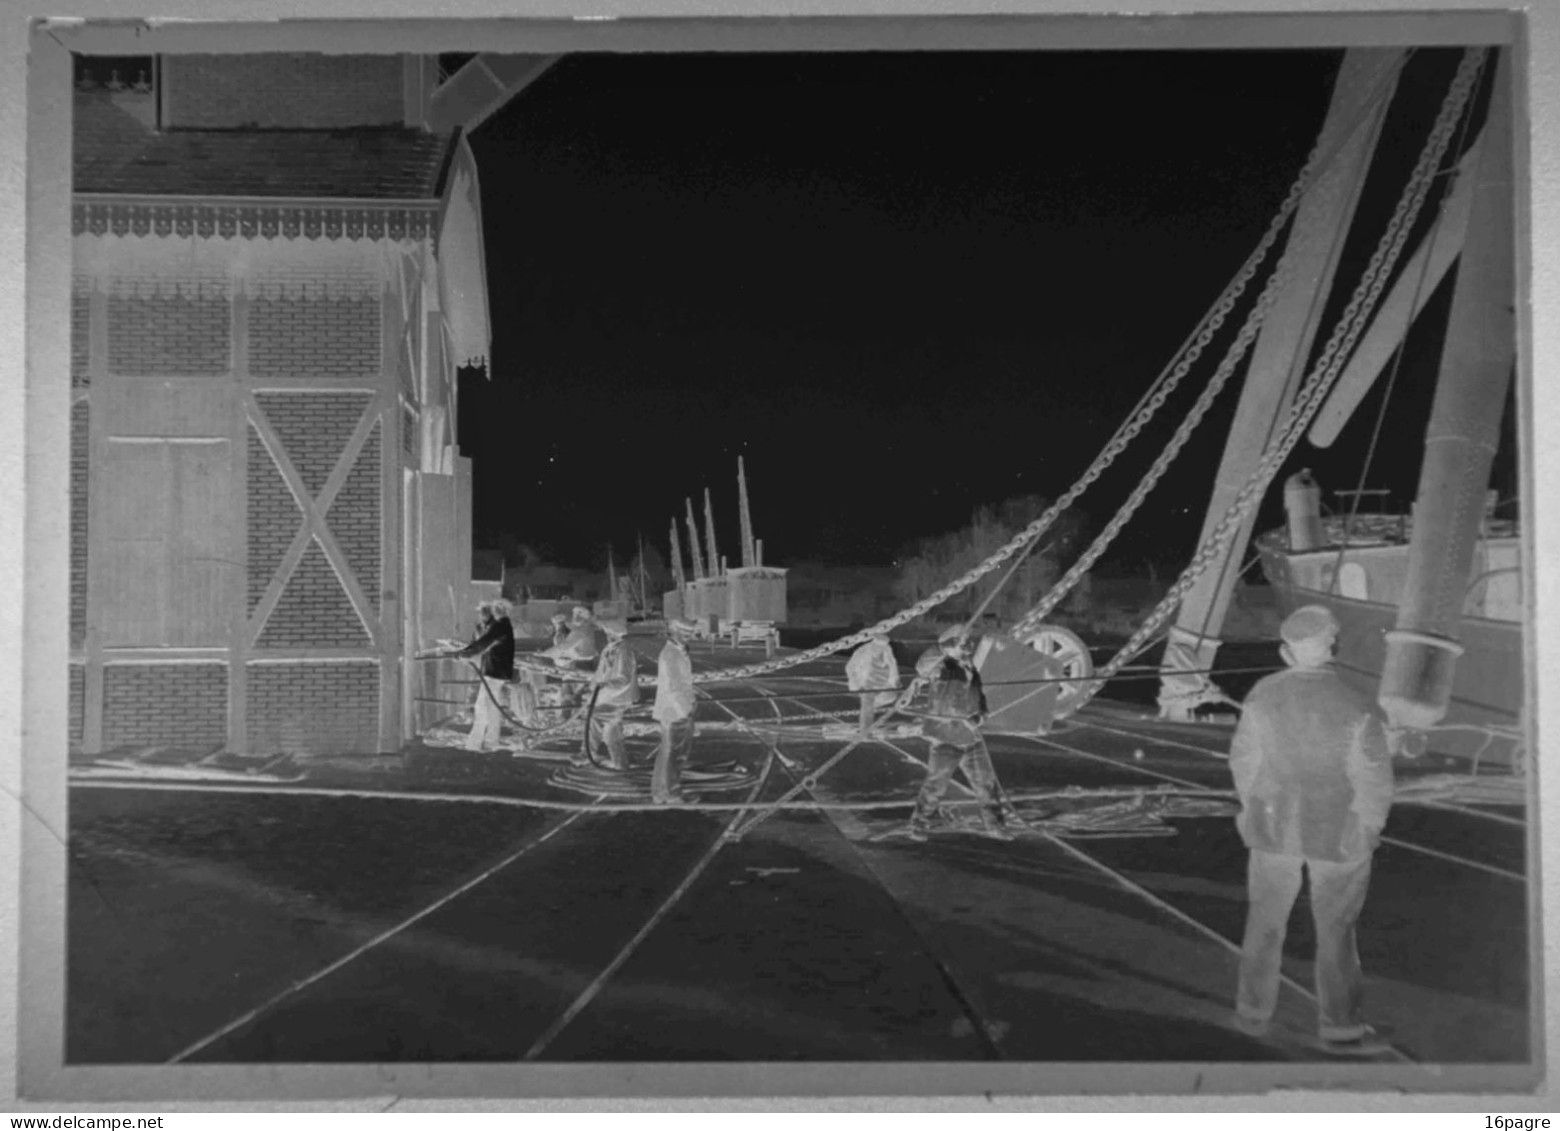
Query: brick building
[[277, 273]]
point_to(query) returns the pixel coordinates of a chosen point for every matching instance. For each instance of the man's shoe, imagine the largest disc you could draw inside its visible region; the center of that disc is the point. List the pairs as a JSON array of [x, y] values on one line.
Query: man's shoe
[[1368, 1043], [995, 827]]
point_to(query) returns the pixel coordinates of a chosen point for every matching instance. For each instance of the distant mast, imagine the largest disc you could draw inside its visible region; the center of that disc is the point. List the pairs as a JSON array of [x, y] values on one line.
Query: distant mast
[[641, 580], [748, 558], [693, 543], [678, 577], [709, 535]]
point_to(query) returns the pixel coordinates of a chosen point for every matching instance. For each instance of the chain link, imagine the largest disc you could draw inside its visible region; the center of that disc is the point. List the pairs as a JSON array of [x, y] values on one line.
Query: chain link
[[1124, 436], [1339, 346]]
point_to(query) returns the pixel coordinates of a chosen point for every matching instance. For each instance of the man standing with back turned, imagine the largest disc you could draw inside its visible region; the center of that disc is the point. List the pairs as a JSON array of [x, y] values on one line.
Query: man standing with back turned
[[1314, 775]]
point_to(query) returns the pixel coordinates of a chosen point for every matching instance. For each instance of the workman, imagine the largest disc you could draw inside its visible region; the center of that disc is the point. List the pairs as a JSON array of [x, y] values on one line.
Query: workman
[[1314, 776], [674, 705], [616, 684], [560, 629], [873, 671], [495, 643], [957, 708], [580, 648]]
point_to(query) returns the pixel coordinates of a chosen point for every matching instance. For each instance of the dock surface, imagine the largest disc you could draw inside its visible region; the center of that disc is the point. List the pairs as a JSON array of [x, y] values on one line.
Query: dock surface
[[447, 906]]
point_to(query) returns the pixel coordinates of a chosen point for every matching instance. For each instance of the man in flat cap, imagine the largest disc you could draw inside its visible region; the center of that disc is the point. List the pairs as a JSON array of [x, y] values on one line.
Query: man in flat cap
[[675, 701], [616, 684], [873, 672], [1314, 776], [956, 710], [495, 643]]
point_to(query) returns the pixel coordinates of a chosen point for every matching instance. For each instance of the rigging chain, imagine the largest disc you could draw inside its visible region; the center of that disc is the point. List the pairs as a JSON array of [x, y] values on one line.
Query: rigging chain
[[1341, 343], [1124, 436]]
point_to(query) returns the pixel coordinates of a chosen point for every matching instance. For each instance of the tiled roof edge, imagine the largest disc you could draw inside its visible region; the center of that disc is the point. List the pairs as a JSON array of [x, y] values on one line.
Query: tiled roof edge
[[252, 218]]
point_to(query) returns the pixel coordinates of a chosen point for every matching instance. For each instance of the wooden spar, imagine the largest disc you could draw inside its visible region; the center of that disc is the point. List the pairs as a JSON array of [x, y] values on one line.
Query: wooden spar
[[641, 581], [1460, 442], [693, 544], [679, 579], [747, 518], [612, 581], [1366, 80], [1416, 282], [712, 554]]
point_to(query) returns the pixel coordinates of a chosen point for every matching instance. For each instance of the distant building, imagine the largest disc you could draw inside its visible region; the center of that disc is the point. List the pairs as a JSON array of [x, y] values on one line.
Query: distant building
[[277, 272]]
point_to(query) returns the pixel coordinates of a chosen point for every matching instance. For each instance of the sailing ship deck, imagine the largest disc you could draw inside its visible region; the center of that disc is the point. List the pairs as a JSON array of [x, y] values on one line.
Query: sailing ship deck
[[334, 916]]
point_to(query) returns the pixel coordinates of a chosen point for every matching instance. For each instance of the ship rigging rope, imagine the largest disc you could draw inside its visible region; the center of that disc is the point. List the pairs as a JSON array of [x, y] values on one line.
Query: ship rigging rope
[[1358, 494], [1147, 408], [1137, 420], [1311, 397], [1308, 401]]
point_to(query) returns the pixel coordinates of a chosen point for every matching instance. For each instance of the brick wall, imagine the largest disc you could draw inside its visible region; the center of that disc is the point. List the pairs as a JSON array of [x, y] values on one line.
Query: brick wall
[[274, 518], [354, 518], [77, 701], [316, 336], [80, 336], [314, 708], [313, 428], [276, 90], [182, 705], [314, 610], [78, 521], [173, 335]]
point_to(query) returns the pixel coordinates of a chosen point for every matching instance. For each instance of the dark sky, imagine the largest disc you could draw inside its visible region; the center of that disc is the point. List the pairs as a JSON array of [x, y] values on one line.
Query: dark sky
[[902, 285]]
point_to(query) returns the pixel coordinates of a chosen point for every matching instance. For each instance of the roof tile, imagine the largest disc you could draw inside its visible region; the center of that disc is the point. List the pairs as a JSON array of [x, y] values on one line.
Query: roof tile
[[114, 153]]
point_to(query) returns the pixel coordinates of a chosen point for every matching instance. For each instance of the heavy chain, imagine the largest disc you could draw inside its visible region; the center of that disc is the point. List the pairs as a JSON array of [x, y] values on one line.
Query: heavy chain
[[1274, 287], [1339, 346], [1248, 333], [1129, 431]]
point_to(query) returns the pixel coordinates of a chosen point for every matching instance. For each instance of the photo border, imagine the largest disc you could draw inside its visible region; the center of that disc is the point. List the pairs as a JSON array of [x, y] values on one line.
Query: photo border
[[34, 470]]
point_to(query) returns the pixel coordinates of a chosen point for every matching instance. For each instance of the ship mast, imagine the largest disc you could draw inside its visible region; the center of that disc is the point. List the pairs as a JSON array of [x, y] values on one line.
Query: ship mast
[[678, 578], [747, 517], [709, 535], [1475, 375], [1365, 82], [693, 543]]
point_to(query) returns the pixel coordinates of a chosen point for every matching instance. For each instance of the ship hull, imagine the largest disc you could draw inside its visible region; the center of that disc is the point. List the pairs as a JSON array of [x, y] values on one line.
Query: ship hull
[[1489, 688]]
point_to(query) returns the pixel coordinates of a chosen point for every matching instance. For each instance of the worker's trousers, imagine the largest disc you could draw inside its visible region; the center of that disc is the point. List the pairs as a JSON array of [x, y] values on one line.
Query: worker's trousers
[[606, 724], [487, 719], [974, 760], [868, 709], [1337, 896], [670, 757]]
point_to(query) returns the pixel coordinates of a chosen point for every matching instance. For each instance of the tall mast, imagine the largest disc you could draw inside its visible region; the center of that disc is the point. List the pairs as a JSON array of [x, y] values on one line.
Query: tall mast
[[1360, 96], [642, 575], [693, 543], [709, 535], [1470, 398], [678, 578], [612, 582], [747, 518]]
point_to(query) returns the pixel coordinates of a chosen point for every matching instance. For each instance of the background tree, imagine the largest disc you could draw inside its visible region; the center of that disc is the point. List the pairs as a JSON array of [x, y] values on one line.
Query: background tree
[[933, 562]]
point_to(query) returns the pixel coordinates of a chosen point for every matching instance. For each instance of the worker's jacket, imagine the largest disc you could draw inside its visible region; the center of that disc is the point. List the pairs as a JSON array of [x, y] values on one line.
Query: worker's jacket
[[581, 645], [957, 703], [872, 666], [674, 695], [496, 646], [617, 676], [1311, 767]]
